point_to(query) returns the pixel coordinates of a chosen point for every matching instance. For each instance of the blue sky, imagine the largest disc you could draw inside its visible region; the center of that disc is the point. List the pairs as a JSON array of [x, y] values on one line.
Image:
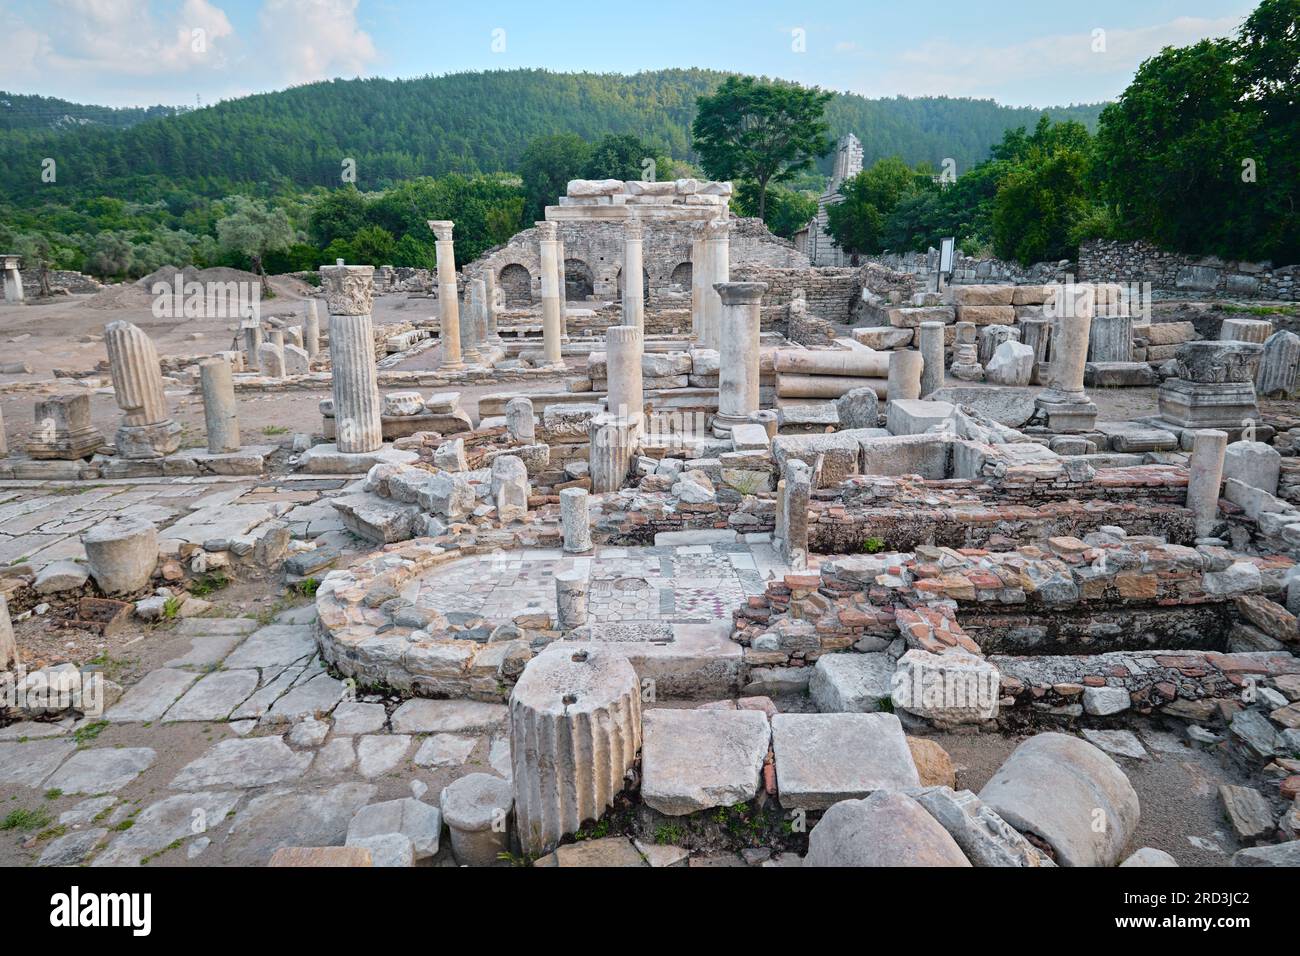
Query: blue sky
[[135, 52]]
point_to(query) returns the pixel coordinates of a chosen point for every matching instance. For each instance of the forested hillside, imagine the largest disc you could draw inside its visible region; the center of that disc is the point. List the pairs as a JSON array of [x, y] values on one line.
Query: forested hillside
[[467, 123]]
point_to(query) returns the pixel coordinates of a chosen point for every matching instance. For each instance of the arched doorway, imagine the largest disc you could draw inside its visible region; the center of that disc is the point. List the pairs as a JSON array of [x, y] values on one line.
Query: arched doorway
[[680, 279], [516, 286]]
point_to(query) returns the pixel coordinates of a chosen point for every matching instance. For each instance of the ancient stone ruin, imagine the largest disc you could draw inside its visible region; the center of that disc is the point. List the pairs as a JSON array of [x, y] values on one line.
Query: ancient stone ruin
[[643, 540]]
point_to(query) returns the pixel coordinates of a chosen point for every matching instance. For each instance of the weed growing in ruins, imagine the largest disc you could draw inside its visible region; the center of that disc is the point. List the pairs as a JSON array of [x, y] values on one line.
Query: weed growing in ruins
[[53, 794], [596, 831], [202, 587], [667, 834], [275, 430], [57, 830], [307, 587], [171, 608], [26, 820], [873, 545], [88, 732]]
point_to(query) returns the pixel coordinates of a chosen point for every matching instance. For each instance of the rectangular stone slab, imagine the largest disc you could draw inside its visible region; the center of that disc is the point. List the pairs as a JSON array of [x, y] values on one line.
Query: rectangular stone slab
[[822, 759]]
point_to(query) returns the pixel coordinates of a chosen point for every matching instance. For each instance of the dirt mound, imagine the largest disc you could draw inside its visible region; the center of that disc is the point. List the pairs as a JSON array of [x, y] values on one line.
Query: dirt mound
[[124, 295]]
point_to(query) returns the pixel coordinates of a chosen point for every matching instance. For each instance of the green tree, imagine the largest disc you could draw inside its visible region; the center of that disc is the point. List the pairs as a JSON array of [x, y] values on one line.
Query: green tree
[[788, 210], [760, 131], [857, 223], [373, 245], [546, 167], [336, 214], [1038, 206], [250, 229], [621, 156]]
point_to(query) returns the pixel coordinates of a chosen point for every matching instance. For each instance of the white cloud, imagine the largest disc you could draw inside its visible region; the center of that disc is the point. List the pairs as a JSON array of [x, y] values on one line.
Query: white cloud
[[1024, 72], [316, 39], [116, 38]]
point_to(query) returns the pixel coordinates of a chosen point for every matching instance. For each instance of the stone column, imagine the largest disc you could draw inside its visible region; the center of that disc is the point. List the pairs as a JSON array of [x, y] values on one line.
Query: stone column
[[490, 298], [349, 291], [793, 492], [520, 421], [1110, 338], [448, 305], [13, 279], [1279, 366], [575, 519], [717, 257], [4, 439], [470, 325], [253, 344], [633, 266], [570, 599], [930, 339], [8, 644], [311, 330], [738, 353], [624, 346], [220, 412], [613, 442], [992, 336], [699, 275], [562, 283], [905, 366], [965, 354], [1204, 478], [575, 729], [1037, 334], [1063, 402], [147, 430], [552, 330]]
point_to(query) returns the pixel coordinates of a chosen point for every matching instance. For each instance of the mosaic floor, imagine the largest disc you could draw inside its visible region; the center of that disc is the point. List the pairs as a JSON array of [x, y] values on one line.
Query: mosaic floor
[[634, 591]]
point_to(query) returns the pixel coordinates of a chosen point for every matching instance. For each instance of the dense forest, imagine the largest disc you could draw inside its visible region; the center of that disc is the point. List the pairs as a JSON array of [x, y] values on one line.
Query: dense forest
[[463, 123]]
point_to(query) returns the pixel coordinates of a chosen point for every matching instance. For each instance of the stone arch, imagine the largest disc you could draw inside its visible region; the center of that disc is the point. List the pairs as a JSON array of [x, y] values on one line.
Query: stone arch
[[680, 278], [516, 284], [645, 283], [579, 283]]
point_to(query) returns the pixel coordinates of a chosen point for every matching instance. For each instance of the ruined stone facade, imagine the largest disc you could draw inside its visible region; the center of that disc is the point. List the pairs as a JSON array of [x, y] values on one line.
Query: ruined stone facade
[[814, 240]]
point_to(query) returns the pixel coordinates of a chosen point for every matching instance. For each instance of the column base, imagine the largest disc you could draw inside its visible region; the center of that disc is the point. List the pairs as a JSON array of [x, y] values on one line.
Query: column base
[[1066, 416], [148, 441], [723, 424], [70, 446]]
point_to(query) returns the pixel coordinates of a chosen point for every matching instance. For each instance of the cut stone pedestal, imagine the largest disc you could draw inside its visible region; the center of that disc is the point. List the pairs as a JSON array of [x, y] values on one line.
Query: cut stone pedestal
[[575, 729], [63, 429], [610, 456], [477, 810], [326, 459], [1207, 404], [121, 554]]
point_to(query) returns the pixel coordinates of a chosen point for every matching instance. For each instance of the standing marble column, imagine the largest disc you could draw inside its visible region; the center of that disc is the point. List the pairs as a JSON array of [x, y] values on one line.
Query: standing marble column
[[698, 288], [4, 439], [633, 289], [561, 280], [448, 305], [13, 279], [311, 330], [930, 339], [147, 430], [8, 643], [478, 292], [717, 258], [624, 345], [612, 444], [575, 520], [490, 299], [738, 333], [551, 328], [253, 344], [1037, 334], [1204, 477], [349, 291], [905, 366], [220, 412], [469, 325], [1063, 402]]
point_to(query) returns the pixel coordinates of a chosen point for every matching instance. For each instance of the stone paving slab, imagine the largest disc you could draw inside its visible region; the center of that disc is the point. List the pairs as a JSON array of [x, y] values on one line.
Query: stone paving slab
[[253, 762], [277, 645], [27, 764], [422, 716], [163, 823], [149, 699], [101, 770], [289, 818], [215, 696], [693, 760]]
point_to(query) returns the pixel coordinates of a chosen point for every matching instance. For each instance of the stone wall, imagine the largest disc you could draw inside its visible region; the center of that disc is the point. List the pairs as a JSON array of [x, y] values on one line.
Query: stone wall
[[1101, 260], [829, 292], [59, 279], [969, 270]]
